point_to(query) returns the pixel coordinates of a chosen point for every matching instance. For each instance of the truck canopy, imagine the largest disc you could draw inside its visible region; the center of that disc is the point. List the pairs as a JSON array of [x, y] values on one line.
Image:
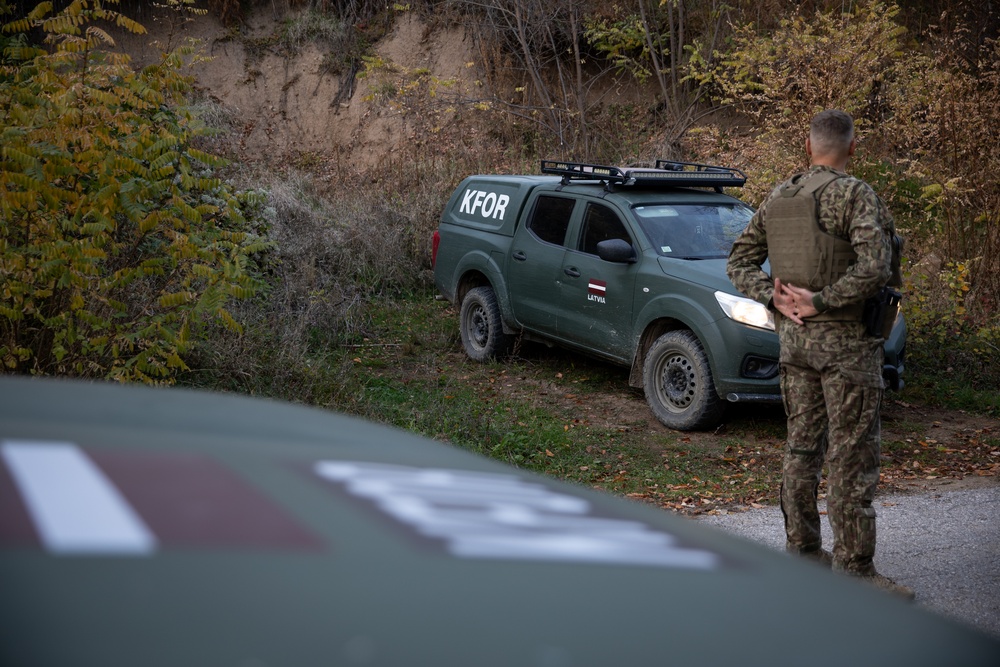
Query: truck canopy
[[491, 203]]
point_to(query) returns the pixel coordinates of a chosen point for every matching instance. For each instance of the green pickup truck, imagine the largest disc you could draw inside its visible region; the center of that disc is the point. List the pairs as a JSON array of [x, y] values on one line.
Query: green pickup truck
[[623, 264]]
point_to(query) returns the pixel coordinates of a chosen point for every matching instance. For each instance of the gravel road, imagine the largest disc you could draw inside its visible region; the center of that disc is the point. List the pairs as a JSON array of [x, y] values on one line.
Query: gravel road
[[945, 544]]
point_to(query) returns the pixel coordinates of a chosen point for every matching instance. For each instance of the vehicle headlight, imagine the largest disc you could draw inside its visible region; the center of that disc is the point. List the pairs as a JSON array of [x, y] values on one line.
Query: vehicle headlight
[[745, 310]]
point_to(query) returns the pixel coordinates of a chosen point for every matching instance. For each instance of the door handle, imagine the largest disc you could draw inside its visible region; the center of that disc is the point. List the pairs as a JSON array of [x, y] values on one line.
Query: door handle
[[572, 272], [519, 256]]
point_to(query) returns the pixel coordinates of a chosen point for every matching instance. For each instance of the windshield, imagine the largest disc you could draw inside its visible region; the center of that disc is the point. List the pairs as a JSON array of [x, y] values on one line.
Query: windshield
[[693, 231]]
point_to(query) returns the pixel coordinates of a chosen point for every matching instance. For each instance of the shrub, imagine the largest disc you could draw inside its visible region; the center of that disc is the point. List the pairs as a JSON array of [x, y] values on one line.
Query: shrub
[[117, 240], [925, 111], [780, 79], [335, 255]]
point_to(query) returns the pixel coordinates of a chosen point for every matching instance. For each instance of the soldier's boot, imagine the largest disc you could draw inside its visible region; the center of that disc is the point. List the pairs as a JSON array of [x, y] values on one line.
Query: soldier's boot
[[886, 584], [821, 557]]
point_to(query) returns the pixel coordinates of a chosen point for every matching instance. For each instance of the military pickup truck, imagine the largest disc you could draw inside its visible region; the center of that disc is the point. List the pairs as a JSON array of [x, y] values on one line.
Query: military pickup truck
[[624, 264]]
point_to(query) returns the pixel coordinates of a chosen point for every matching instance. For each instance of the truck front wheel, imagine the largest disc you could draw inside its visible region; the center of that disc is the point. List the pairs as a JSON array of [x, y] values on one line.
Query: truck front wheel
[[483, 336], [678, 383]]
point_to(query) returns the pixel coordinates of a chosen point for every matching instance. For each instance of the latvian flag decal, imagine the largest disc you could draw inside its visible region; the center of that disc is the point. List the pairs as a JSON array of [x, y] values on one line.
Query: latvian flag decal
[[597, 287], [75, 501]]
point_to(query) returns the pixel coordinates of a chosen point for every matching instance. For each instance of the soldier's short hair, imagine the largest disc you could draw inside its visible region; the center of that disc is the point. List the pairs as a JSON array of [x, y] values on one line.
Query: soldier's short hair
[[831, 131]]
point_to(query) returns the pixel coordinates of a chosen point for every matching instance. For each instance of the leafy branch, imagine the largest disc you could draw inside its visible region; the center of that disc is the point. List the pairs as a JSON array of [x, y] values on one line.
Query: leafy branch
[[117, 239]]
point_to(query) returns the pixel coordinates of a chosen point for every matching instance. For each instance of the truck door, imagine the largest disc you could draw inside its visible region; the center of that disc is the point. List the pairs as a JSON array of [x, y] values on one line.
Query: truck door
[[536, 261], [596, 297]]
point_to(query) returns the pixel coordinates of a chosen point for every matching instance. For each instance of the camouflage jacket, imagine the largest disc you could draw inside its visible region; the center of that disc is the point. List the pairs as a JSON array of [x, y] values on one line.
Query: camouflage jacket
[[848, 208]]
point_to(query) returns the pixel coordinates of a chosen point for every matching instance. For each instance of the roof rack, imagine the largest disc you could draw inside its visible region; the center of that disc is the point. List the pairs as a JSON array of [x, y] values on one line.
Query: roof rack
[[664, 174]]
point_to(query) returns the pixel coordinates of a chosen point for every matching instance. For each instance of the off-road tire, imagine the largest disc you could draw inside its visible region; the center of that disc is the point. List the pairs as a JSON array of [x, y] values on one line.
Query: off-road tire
[[678, 383], [481, 326]]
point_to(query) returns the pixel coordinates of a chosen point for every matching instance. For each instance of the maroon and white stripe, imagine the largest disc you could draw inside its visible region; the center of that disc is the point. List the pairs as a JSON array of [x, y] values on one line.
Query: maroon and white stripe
[[75, 501], [597, 287], [72, 504]]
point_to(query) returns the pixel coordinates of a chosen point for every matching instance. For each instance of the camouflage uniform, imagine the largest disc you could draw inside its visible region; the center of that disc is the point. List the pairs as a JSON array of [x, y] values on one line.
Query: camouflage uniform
[[831, 378]]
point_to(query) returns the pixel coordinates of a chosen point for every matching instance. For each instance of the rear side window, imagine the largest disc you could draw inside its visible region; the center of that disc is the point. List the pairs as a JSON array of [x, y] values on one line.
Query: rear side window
[[600, 223], [550, 218]]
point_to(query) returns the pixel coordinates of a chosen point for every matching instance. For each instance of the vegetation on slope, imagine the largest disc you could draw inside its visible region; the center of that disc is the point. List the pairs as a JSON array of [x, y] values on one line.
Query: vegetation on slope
[[117, 238]]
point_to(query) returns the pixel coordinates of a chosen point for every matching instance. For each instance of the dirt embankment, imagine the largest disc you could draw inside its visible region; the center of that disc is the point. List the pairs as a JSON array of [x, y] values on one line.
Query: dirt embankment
[[282, 104]]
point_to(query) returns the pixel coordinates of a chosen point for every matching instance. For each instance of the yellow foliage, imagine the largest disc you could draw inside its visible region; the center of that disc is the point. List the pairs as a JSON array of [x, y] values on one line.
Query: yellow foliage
[[174, 300], [108, 252]]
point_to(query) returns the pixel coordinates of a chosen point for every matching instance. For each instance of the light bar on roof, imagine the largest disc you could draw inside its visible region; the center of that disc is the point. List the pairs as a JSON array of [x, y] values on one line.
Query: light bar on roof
[[664, 174]]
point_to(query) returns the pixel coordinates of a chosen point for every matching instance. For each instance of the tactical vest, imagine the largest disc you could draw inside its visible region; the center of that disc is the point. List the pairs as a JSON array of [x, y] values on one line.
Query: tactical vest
[[800, 252]]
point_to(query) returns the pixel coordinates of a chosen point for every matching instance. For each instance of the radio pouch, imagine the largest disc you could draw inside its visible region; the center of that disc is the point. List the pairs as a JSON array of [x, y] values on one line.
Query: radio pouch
[[880, 312]]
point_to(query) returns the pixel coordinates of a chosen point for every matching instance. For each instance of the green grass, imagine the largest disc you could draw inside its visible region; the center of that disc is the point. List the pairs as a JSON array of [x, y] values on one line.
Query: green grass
[[951, 390], [564, 415], [951, 362], [416, 377]]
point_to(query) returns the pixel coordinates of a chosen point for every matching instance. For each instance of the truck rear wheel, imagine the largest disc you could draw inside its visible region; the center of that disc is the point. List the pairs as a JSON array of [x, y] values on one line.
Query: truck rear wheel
[[678, 383], [481, 326]]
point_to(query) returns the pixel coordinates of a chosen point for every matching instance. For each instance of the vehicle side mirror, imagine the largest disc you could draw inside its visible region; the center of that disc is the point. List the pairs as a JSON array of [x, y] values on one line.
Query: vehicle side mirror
[[616, 250]]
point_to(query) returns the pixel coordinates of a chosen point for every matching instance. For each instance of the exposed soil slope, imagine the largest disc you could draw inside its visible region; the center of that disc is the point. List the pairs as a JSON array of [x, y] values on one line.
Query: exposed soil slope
[[282, 106]]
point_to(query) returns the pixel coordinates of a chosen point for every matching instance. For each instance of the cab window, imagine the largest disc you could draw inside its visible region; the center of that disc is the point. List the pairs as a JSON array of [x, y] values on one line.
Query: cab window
[[600, 223], [550, 218], [693, 231]]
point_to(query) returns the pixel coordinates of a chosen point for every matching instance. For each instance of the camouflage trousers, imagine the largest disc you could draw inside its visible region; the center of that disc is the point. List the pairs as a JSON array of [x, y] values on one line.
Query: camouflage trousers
[[831, 385]]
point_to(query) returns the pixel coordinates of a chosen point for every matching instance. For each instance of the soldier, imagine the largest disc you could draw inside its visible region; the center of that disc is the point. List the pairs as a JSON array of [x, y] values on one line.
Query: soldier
[[830, 241]]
